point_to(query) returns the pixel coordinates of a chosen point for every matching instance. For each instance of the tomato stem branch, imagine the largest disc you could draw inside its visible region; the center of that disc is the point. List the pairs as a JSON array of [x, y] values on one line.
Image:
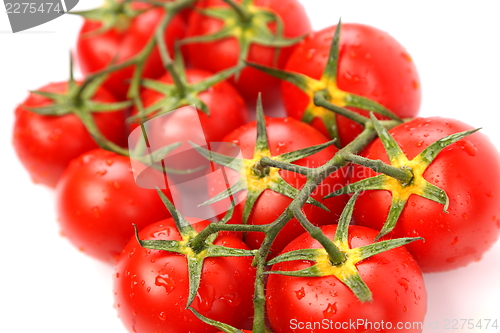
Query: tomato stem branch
[[320, 100], [215, 227], [401, 174], [336, 256]]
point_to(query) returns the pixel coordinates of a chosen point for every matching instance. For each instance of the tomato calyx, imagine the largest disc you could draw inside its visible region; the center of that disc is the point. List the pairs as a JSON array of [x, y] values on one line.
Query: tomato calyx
[[180, 92], [248, 24], [256, 177], [217, 324], [77, 100], [345, 270], [195, 255], [402, 188], [112, 15], [324, 94]]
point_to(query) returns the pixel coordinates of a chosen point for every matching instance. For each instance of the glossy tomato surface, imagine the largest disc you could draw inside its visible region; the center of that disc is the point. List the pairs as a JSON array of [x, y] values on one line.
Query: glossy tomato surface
[[285, 135], [46, 144], [98, 200], [97, 50], [226, 106], [221, 54], [227, 112], [466, 170], [371, 64], [151, 286], [294, 304]]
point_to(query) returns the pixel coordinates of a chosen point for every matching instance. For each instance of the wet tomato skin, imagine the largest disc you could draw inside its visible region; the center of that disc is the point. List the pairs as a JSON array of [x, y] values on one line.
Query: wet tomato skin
[[466, 170], [97, 202], [46, 144], [371, 64], [151, 286], [393, 277]]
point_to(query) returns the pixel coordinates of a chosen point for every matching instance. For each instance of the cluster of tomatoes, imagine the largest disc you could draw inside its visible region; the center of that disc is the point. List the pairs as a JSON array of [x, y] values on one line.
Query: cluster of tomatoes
[[284, 257]]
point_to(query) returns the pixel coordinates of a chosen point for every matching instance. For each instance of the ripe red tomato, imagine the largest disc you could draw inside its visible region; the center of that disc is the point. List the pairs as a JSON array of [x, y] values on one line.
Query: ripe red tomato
[[228, 111], [98, 201], [222, 54], [227, 108], [46, 144], [466, 170], [371, 64], [294, 304], [151, 286], [284, 135], [126, 39]]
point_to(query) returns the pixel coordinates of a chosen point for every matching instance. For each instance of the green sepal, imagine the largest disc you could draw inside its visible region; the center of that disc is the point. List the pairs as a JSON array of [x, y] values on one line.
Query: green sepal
[[195, 269], [250, 200], [282, 187], [368, 251], [160, 245], [184, 227], [305, 254], [113, 14], [342, 232], [358, 287], [301, 81], [234, 163], [430, 153], [372, 183], [364, 103], [248, 24], [331, 68], [239, 186], [217, 324], [303, 153], [393, 150], [397, 206], [262, 142]]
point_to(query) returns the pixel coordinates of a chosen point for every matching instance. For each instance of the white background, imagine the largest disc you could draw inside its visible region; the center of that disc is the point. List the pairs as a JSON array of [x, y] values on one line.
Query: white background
[[46, 285]]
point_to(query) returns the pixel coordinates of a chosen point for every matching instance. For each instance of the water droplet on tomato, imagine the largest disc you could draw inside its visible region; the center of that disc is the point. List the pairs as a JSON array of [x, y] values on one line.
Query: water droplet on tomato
[[330, 310], [300, 293], [404, 283], [232, 300], [110, 162], [206, 298], [96, 211], [165, 281], [405, 309], [101, 173], [468, 147], [162, 316]]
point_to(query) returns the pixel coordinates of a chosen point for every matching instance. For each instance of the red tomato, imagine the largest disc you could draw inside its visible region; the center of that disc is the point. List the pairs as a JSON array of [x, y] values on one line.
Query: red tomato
[[151, 286], [285, 135], [46, 144], [218, 55], [120, 43], [371, 64], [227, 112], [98, 201], [466, 170], [294, 304], [227, 108]]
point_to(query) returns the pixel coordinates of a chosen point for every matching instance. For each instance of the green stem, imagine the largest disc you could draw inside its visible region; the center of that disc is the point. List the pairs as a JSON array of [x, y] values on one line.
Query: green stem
[[240, 10], [402, 175], [199, 240], [320, 100], [269, 162], [100, 139], [314, 179], [166, 58], [336, 256]]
